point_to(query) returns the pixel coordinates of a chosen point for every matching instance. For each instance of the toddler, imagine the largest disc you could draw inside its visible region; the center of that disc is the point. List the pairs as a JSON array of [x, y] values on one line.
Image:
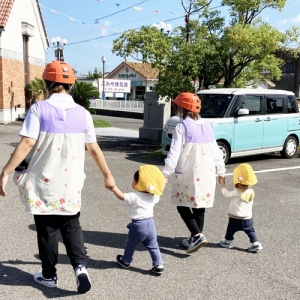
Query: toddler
[[240, 207], [148, 183]]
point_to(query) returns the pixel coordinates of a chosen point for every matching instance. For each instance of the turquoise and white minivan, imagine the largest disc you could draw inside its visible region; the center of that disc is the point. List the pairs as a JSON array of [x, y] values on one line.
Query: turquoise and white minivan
[[248, 121]]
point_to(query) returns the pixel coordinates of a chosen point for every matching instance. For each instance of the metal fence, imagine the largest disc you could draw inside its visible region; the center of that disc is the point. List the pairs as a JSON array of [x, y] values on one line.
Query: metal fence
[[124, 105]]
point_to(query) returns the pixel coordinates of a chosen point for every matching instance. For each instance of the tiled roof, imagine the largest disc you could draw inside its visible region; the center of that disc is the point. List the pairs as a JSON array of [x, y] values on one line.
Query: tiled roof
[[144, 69], [5, 9]]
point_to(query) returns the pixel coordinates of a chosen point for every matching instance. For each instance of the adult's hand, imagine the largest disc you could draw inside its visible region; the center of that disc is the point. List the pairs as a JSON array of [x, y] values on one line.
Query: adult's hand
[[221, 180], [109, 182], [3, 181]]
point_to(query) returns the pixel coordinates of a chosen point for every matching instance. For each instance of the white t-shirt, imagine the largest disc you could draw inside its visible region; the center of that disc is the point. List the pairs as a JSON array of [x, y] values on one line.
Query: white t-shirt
[[31, 125], [140, 204]]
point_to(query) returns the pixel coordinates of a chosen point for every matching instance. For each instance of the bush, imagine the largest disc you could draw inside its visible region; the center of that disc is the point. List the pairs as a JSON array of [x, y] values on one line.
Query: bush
[[82, 92], [92, 111]]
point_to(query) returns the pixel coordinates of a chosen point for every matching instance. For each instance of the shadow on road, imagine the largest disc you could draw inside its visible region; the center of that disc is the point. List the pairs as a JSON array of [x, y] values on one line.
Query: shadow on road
[[12, 276], [135, 149]]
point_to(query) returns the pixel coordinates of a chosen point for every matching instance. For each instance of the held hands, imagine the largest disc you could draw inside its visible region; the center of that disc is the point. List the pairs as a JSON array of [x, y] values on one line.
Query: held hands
[[221, 181], [109, 182]]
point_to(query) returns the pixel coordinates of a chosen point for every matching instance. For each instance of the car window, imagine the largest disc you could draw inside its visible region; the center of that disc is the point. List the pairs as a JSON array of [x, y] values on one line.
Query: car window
[[275, 104], [292, 104], [214, 105], [252, 103]]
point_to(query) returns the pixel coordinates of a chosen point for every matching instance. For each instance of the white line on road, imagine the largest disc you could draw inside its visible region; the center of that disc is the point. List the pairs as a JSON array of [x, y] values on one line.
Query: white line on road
[[270, 170]]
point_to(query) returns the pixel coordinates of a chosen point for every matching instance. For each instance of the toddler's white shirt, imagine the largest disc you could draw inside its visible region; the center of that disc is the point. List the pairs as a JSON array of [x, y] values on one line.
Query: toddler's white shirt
[[140, 204]]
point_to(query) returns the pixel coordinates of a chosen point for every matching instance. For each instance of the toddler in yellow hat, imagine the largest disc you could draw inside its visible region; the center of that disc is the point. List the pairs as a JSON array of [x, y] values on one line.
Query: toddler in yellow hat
[[148, 184], [240, 207]]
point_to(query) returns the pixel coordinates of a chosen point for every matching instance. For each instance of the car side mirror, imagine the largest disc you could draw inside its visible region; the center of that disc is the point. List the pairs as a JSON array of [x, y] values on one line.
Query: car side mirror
[[243, 112]]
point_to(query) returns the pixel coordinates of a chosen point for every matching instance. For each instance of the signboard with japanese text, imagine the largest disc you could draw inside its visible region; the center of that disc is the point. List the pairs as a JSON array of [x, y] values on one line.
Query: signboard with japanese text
[[115, 85]]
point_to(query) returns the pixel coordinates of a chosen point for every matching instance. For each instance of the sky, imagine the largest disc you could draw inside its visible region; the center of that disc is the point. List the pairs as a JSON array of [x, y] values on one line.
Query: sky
[[90, 26]]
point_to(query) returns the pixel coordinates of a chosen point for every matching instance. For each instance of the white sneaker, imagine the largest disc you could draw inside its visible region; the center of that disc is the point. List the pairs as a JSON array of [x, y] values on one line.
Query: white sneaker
[[39, 278], [256, 246], [226, 244], [82, 279]]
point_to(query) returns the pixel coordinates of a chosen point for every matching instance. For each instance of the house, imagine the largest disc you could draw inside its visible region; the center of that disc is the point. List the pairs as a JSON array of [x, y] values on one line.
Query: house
[[23, 43], [142, 78], [290, 79]]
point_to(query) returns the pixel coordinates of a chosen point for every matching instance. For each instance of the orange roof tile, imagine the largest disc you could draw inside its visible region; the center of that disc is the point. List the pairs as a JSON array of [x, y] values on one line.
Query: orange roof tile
[[5, 9], [144, 69]]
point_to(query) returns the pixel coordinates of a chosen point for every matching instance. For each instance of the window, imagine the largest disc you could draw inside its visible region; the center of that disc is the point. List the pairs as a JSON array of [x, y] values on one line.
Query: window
[[274, 104], [252, 103], [214, 106], [292, 104]]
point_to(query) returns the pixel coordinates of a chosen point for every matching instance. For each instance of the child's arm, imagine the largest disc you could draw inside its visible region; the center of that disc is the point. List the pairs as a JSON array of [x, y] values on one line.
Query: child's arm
[[118, 193], [228, 194]]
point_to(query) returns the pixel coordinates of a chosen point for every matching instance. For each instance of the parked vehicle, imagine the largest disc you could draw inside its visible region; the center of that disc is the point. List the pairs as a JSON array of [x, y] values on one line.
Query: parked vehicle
[[248, 121]]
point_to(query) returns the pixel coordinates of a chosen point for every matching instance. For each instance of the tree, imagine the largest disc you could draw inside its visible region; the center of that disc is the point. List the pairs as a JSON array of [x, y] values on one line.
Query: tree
[[82, 92], [205, 50], [37, 87], [95, 75]]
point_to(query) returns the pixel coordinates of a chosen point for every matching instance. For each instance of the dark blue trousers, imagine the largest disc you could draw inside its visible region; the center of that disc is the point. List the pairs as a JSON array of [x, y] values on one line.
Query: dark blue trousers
[[142, 231], [235, 225]]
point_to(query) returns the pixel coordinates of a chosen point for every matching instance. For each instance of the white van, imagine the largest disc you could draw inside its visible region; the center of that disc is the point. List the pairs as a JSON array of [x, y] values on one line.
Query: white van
[[248, 121]]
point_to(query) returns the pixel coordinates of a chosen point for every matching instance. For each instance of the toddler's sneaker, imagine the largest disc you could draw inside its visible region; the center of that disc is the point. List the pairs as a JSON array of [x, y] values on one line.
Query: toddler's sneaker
[[186, 242], [82, 279], [196, 243], [121, 262], [256, 246], [158, 269], [226, 244], [39, 278]]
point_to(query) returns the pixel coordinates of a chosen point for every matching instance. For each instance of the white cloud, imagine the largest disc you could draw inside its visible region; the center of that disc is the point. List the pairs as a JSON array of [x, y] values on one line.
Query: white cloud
[[295, 20]]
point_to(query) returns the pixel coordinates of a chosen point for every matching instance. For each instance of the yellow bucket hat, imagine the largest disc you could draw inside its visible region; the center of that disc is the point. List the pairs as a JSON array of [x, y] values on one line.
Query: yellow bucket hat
[[151, 180], [244, 174]]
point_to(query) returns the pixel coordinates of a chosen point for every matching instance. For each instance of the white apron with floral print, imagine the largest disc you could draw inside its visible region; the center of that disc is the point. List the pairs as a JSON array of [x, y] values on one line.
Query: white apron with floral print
[[194, 180], [55, 175]]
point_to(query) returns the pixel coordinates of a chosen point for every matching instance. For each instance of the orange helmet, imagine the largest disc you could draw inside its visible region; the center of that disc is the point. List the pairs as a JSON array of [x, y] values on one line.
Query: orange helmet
[[59, 71], [188, 101]]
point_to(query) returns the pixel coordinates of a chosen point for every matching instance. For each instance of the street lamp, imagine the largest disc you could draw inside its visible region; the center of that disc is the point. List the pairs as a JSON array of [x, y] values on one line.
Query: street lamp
[[162, 26], [60, 44], [103, 61]]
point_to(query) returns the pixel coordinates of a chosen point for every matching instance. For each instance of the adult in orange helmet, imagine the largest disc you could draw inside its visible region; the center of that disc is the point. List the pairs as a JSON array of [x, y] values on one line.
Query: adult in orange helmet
[[54, 136], [193, 159]]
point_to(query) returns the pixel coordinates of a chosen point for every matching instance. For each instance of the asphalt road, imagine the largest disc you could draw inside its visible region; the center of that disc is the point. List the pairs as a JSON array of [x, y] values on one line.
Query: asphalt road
[[211, 273]]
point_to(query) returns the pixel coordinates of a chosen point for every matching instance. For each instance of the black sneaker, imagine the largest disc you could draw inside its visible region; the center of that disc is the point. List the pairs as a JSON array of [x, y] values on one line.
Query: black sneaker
[[157, 269], [196, 243], [121, 262]]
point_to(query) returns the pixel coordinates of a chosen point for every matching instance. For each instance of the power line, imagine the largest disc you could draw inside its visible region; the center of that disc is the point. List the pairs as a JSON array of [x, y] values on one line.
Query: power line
[[101, 37], [97, 20], [113, 34]]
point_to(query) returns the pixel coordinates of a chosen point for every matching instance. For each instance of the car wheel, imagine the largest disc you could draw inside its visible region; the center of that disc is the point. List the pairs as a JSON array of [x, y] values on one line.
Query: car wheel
[[290, 147], [225, 151]]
